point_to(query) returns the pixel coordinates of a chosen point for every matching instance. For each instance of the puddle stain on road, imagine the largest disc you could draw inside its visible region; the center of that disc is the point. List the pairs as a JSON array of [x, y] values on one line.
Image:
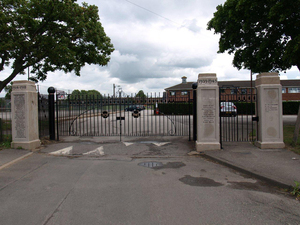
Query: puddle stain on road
[[170, 165], [199, 181], [159, 165]]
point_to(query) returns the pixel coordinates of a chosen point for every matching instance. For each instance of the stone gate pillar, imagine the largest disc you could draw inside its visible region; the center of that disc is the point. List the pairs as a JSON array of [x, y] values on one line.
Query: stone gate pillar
[[208, 132], [269, 104], [24, 112]]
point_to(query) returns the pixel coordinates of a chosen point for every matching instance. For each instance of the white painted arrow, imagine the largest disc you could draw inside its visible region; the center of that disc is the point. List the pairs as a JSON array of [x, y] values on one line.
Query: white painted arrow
[[96, 151], [128, 143], [160, 143], [64, 151]]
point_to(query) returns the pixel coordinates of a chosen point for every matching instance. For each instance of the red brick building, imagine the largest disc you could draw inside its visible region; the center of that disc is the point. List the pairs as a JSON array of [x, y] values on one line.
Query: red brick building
[[235, 90]]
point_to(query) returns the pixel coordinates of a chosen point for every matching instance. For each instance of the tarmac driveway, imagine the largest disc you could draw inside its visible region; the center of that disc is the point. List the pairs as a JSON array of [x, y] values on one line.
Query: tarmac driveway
[[135, 182]]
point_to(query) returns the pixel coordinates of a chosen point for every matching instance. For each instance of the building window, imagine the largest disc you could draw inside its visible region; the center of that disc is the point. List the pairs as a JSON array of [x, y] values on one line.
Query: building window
[[294, 90], [233, 91], [244, 91], [172, 93], [283, 90], [184, 93]]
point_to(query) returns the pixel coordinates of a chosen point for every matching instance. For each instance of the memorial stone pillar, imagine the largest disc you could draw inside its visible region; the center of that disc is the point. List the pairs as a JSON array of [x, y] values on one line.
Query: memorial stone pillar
[[208, 133], [24, 111], [269, 103]]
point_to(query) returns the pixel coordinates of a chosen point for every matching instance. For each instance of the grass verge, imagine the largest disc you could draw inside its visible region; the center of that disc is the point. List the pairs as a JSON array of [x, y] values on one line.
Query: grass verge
[[288, 132], [6, 142]]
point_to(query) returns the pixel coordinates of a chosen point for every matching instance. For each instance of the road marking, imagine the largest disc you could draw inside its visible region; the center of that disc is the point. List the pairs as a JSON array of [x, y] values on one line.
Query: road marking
[[64, 151], [96, 151], [160, 143], [128, 143], [16, 160]]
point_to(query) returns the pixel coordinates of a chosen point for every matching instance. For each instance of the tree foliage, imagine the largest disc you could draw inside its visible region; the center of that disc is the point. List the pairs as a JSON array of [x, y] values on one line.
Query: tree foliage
[[8, 89], [141, 94], [263, 35], [76, 94], [50, 35]]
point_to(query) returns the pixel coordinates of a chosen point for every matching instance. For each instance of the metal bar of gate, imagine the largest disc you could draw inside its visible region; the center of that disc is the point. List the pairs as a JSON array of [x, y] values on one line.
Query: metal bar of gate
[[220, 118]]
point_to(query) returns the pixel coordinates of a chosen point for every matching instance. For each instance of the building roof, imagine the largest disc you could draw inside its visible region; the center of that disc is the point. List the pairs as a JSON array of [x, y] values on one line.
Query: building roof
[[181, 86], [240, 84]]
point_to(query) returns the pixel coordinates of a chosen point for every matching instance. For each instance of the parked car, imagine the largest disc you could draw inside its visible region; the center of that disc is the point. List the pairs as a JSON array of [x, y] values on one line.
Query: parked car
[[135, 107], [228, 109]]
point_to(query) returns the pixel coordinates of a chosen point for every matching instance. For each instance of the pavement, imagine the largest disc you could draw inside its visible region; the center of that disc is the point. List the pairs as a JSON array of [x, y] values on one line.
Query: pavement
[[11, 156], [279, 167]]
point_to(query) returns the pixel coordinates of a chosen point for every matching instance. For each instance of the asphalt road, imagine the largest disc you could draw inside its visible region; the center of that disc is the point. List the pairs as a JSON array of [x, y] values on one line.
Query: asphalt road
[[90, 182], [144, 124]]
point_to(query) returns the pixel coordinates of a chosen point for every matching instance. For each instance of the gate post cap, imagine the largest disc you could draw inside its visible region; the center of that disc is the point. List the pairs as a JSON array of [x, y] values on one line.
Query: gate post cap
[[51, 90], [195, 85]]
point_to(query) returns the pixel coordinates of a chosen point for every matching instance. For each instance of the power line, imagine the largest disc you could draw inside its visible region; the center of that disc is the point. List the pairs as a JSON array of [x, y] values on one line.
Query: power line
[[152, 12]]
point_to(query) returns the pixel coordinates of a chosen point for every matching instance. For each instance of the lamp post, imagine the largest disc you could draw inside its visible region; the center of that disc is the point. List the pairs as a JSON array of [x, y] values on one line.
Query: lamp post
[[120, 92], [114, 89]]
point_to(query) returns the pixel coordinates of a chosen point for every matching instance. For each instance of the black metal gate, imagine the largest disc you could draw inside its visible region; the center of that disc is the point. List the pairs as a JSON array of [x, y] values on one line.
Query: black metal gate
[[238, 122], [152, 115], [43, 115]]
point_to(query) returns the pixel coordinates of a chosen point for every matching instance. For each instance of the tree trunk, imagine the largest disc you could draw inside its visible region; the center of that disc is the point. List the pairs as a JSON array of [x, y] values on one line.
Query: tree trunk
[[7, 80], [18, 68]]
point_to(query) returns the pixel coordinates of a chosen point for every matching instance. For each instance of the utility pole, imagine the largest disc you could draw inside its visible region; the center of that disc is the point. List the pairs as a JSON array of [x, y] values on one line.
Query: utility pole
[[114, 90]]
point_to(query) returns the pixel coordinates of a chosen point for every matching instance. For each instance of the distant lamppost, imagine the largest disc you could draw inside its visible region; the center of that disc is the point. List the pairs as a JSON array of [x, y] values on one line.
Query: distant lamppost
[[120, 92], [114, 89]]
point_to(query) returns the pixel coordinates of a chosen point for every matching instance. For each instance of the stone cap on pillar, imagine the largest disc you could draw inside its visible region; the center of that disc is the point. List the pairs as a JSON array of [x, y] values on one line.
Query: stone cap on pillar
[[205, 79], [23, 85], [267, 78]]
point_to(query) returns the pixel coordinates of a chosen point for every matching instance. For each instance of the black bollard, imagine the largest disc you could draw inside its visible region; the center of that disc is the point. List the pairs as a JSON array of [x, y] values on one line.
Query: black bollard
[[51, 92]]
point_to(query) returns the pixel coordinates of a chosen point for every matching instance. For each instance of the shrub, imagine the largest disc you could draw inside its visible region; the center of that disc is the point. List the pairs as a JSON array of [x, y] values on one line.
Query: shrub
[[176, 108], [290, 108]]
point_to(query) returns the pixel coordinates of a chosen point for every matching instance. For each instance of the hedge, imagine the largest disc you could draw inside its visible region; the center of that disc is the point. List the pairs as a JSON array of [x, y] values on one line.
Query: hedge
[[288, 108], [176, 108], [245, 108]]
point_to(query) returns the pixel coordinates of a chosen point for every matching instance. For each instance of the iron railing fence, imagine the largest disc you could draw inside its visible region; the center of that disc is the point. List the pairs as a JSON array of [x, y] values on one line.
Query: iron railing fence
[[237, 110], [5, 119], [148, 115]]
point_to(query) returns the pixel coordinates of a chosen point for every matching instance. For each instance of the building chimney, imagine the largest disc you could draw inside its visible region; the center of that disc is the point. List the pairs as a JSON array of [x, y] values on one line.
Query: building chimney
[[183, 79]]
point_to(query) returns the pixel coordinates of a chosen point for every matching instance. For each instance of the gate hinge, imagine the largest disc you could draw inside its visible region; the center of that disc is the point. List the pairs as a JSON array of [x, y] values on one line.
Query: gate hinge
[[255, 118]]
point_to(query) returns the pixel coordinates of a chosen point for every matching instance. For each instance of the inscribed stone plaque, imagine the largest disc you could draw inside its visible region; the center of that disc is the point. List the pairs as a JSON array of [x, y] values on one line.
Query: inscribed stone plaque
[[19, 103], [208, 113], [271, 110], [208, 108]]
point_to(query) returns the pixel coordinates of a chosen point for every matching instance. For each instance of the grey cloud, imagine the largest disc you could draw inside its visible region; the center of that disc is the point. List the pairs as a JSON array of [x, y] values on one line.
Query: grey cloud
[[191, 25], [132, 72], [187, 62]]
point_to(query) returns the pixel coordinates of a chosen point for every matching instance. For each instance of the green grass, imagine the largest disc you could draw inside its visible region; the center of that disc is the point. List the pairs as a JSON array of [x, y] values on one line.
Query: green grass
[[296, 190], [6, 124], [288, 132], [6, 142]]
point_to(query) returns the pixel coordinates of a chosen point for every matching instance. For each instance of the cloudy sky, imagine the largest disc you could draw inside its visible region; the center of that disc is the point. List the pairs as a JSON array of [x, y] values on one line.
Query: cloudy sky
[[156, 43]]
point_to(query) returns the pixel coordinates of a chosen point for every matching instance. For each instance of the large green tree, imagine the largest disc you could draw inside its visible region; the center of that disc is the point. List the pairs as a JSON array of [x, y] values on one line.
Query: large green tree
[[50, 35], [84, 94], [263, 35], [141, 94]]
